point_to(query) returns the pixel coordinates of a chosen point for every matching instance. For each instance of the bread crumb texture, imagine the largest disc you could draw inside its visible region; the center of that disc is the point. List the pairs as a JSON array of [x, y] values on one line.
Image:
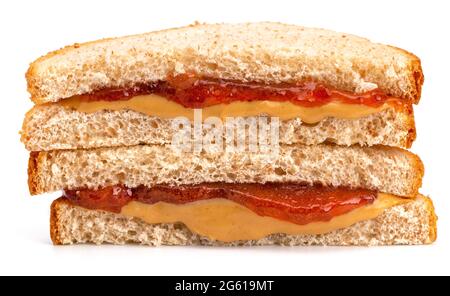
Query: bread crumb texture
[[388, 170], [412, 223], [53, 127], [260, 52]]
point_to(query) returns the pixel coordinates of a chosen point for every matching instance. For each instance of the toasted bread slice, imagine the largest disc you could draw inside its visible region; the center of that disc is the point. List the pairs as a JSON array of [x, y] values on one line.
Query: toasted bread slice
[[410, 223], [385, 169], [258, 52]]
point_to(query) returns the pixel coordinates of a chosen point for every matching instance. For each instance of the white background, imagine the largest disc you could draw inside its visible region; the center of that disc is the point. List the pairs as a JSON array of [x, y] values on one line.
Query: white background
[[31, 29]]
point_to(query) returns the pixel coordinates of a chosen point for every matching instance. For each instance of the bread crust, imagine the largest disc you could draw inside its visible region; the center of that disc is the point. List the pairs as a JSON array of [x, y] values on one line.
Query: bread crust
[[415, 69], [420, 169], [33, 173], [411, 124], [433, 218], [405, 82], [408, 224], [54, 220]]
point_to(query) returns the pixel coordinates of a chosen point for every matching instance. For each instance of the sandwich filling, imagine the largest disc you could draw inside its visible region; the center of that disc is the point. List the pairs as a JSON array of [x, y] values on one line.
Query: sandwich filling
[[233, 212], [180, 95]]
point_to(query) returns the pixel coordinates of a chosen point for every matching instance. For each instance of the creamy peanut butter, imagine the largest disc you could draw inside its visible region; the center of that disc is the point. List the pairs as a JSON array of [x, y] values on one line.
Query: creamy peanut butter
[[227, 221], [154, 105]]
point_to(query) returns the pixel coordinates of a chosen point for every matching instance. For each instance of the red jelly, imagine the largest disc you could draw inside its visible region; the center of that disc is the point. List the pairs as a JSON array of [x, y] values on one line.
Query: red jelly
[[295, 203], [195, 92]]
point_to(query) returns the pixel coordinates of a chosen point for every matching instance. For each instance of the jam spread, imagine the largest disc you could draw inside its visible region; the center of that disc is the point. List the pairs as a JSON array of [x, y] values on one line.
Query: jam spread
[[192, 91], [296, 203]]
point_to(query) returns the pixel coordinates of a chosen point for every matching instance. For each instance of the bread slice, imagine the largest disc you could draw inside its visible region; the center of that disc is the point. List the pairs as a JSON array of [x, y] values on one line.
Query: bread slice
[[260, 52], [388, 170], [53, 127], [411, 223]]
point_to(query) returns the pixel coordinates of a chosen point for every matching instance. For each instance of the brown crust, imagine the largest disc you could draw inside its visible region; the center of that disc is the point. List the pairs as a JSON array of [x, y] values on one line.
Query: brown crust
[[432, 220], [410, 124], [415, 68], [24, 136], [33, 173], [417, 77], [419, 167], [54, 221]]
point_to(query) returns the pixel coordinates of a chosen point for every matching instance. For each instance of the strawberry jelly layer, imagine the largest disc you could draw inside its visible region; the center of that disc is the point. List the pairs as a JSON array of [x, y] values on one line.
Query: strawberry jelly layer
[[295, 203], [195, 92]]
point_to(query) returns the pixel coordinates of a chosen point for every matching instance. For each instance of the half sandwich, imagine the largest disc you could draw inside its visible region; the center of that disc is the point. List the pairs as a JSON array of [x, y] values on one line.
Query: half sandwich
[[102, 127]]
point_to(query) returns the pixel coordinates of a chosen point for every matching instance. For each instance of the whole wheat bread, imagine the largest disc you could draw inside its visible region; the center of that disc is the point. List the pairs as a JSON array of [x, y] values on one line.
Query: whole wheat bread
[[386, 169], [260, 52], [412, 223], [54, 127]]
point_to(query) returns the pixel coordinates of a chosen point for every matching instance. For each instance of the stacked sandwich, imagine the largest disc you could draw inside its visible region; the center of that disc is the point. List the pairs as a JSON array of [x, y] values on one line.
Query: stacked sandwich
[[105, 119]]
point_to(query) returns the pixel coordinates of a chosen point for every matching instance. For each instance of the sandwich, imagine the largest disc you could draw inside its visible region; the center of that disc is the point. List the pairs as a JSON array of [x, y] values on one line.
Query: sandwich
[[335, 109]]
